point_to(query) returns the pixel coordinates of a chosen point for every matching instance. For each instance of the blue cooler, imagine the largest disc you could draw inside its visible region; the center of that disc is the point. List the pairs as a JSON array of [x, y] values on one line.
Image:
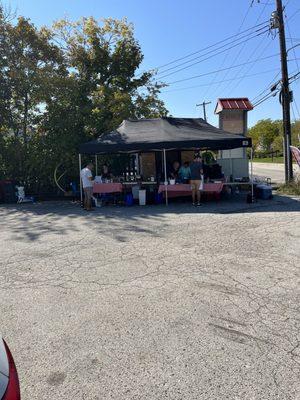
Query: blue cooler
[[158, 198], [129, 200], [264, 192]]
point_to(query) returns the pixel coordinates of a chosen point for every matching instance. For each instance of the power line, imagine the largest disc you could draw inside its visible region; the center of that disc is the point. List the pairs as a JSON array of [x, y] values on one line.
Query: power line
[[226, 55], [273, 89], [293, 15], [268, 88], [214, 83], [293, 48], [234, 88], [220, 70], [252, 54], [293, 111], [208, 47], [265, 98], [296, 106], [213, 50], [251, 66], [207, 58], [241, 50]]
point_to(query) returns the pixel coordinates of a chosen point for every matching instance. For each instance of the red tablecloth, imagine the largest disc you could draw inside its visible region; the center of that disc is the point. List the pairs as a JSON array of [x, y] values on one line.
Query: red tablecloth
[[184, 189], [107, 188]]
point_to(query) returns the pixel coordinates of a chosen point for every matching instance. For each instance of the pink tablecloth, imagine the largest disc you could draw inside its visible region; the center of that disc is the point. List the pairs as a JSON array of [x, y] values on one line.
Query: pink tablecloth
[[183, 189], [107, 188]]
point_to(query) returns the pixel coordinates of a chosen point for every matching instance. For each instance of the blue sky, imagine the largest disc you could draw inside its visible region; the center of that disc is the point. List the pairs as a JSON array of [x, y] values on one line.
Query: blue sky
[[171, 29]]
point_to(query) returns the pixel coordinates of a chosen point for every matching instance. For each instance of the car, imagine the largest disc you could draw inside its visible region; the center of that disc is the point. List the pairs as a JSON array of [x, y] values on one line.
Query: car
[[9, 381]]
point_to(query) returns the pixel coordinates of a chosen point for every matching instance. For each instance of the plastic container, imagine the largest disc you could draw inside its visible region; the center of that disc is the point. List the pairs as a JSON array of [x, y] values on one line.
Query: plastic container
[[264, 192], [158, 198], [135, 192], [129, 200], [142, 197]]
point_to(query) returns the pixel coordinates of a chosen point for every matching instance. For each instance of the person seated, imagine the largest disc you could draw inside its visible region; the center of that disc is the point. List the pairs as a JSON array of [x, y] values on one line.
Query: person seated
[[106, 174], [174, 173], [185, 173]]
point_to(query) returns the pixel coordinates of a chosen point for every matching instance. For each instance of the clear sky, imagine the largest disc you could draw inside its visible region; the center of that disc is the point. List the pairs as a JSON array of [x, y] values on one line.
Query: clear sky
[[171, 29]]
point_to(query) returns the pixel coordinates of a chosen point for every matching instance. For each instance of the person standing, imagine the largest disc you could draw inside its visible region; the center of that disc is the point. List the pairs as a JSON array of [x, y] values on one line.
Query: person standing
[[87, 184], [185, 173], [106, 174], [196, 168], [175, 170]]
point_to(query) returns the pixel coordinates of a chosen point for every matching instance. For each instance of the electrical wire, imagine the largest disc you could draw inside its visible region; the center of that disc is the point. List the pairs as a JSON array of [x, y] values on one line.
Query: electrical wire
[[293, 111], [207, 58], [209, 84], [252, 65], [296, 106], [220, 70], [289, 31], [265, 98], [212, 82], [206, 48], [293, 15], [292, 78], [213, 50], [240, 52], [268, 88]]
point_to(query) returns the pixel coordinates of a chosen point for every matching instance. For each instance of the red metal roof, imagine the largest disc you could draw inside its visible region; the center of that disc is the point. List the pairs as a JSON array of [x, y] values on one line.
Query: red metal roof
[[241, 103]]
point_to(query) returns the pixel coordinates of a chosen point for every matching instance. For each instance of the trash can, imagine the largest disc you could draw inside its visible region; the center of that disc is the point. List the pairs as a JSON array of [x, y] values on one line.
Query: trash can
[[135, 192], [142, 197]]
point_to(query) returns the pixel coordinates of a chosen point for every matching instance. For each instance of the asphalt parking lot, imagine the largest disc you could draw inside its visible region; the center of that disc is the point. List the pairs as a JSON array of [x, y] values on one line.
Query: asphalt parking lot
[[153, 302]]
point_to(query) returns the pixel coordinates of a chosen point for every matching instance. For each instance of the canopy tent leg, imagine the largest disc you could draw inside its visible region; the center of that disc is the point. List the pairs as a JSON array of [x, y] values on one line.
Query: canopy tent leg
[[231, 166], [251, 175], [96, 164], [166, 179], [80, 183]]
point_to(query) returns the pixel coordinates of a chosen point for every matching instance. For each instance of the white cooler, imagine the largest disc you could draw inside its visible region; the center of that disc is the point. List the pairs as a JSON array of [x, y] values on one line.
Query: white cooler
[[142, 197]]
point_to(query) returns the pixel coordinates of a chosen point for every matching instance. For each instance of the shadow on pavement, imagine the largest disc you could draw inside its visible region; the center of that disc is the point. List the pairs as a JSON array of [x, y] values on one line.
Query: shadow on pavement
[[32, 221]]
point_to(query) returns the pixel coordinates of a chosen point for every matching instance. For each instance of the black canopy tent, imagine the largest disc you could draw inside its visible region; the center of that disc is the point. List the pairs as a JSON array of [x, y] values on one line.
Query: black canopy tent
[[163, 134]]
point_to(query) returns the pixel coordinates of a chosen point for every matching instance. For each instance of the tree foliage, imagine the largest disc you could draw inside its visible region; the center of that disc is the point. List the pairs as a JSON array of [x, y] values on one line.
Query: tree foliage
[[63, 85], [267, 135]]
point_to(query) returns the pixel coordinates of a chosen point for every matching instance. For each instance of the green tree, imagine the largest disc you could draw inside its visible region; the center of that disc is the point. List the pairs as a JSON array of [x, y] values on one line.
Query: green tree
[[29, 67], [62, 86], [104, 59], [264, 133]]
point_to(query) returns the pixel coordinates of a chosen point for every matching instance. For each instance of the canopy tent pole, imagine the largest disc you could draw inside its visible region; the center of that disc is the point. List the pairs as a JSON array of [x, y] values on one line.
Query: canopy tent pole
[[96, 164], [80, 183], [251, 174], [231, 167], [166, 180]]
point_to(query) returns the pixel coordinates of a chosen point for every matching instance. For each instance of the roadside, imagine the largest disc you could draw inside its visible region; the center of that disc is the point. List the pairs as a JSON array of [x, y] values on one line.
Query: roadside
[[279, 160], [275, 171]]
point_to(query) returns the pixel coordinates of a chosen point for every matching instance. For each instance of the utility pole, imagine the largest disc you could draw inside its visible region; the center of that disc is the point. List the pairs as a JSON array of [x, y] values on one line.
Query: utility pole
[[204, 109], [286, 95]]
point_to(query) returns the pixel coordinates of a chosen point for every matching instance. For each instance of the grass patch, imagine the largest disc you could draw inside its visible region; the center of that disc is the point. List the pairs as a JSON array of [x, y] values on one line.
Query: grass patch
[[279, 160], [292, 188]]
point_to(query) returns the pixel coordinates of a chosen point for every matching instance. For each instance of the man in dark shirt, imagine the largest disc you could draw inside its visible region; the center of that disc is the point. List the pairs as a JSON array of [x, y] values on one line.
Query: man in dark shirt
[[196, 176]]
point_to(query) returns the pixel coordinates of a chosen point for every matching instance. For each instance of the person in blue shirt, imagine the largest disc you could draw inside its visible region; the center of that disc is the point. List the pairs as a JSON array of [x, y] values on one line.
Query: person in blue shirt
[[185, 173]]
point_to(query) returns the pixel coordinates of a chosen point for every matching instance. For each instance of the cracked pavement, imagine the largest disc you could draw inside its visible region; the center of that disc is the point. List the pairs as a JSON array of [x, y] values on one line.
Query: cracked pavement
[[153, 303]]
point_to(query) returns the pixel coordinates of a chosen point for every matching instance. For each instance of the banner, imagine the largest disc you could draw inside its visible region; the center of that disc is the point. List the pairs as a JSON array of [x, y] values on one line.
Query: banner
[[296, 154]]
